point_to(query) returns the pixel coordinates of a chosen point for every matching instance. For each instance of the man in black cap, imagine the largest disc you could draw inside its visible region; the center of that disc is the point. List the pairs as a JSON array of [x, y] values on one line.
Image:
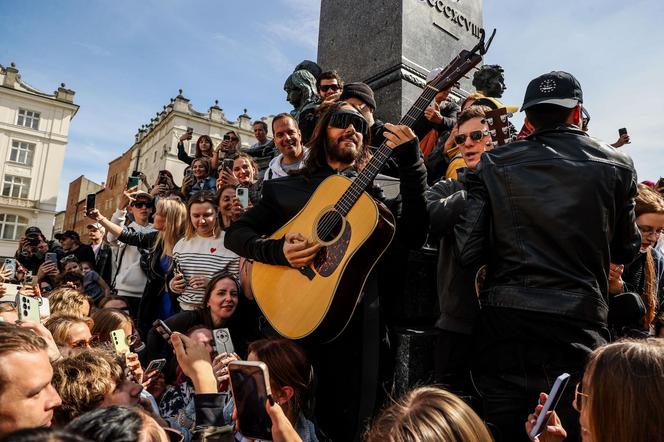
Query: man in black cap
[[546, 214], [361, 96], [32, 246]]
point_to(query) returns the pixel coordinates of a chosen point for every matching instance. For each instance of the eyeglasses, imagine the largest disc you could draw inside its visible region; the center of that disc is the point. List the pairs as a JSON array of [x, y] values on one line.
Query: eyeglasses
[[475, 135], [140, 205], [649, 231], [578, 397], [341, 119], [83, 343], [329, 87]]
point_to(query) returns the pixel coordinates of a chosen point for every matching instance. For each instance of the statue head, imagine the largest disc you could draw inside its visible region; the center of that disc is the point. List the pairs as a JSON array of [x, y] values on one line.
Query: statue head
[[310, 66], [300, 88], [490, 81]]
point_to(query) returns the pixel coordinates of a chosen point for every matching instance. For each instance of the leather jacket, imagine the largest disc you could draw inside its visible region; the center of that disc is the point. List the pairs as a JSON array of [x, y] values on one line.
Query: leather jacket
[[548, 214]]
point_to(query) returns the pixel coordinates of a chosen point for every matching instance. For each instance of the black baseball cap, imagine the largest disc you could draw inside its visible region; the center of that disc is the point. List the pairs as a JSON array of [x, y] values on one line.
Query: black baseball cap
[[68, 234], [33, 230], [556, 87]]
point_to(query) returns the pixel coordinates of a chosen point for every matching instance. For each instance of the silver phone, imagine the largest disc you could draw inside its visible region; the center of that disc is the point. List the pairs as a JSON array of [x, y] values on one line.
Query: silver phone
[[222, 341]]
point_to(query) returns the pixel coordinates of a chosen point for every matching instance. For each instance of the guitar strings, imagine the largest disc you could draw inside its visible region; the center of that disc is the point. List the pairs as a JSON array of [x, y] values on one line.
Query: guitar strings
[[352, 194]]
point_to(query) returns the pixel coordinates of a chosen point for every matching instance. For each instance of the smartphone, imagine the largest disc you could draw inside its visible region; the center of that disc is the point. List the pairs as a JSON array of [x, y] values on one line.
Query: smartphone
[[132, 181], [222, 341], [156, 364], [550, 405], [10, 264], [119, 340], [227, 137], [27, 307], [163, 330], [44, 307], [90, 202], [190, 130], [250, 383], [242, 193], [622, 131], [52, 257], [228, 164]]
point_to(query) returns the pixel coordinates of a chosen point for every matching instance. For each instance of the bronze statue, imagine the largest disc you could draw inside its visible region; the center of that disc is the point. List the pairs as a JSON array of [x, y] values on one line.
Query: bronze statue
[[300, 88], [490, 81], [310, 66]]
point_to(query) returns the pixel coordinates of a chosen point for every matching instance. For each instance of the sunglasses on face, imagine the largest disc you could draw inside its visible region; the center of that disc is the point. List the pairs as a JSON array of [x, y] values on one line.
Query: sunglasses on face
[[140, 205], [82, 343], [341, 119], [475, 135], [329, 87]]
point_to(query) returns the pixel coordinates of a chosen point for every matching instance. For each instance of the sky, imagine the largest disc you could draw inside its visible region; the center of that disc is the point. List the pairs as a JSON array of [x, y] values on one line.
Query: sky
[[125, 59]]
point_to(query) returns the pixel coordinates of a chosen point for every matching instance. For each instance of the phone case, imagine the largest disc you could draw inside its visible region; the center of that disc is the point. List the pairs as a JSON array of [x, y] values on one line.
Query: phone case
[[44, 307], [156, 364], [550, 404], [28, 308], [250, 383], [10, 264], [119, 340], [222, 341]]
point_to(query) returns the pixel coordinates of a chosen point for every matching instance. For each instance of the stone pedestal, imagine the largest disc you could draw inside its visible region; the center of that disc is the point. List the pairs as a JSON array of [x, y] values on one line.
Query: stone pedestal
[[392, 44]]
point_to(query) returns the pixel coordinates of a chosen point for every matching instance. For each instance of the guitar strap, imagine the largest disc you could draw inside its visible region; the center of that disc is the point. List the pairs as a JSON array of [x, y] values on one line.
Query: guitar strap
[[370, 353]]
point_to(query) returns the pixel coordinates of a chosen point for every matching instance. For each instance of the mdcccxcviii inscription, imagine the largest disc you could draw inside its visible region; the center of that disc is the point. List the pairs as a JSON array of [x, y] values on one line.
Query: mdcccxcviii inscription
[[453, 16]]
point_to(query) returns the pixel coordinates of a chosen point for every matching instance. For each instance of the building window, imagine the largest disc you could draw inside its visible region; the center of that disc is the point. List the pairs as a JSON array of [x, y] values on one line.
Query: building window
[[16, 186], [192, 149], [22, 152], [12, 226], [28, 119]]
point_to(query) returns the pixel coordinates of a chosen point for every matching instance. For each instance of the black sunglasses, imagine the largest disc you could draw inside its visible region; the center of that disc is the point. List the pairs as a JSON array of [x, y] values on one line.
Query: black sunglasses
[[140, 205], [328, 87], [475, 135], [341, 119]]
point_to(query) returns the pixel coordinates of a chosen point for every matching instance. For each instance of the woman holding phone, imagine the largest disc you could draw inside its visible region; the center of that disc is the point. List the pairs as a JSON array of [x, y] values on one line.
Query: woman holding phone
[[203, 147], [200, 179], [619, 398], [201, 253], [169, 223], [245, 174]]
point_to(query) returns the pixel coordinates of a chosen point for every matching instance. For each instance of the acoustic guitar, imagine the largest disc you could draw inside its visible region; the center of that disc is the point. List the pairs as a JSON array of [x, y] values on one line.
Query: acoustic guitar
[[318, 301]]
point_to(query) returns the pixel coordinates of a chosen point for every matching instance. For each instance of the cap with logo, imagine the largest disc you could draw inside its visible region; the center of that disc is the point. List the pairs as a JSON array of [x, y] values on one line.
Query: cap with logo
[[95, 226], [557, 87]]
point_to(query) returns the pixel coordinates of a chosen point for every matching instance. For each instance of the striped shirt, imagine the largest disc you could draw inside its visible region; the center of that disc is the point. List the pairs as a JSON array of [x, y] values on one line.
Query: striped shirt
[[200, 256]]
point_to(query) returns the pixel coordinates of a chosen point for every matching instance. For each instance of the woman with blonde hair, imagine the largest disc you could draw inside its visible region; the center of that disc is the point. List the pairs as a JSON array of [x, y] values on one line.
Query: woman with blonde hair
[[71, 333], [201, 253], [69, 301], [644, 276], [428, 414], [619, 398], [169, 223]]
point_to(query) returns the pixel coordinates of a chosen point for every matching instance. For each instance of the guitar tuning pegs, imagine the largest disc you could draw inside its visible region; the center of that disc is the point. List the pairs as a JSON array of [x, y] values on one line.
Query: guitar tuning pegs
[[492, 132], [492, 143], [505, 130], [509, 115], [503, 118], [489, 121]]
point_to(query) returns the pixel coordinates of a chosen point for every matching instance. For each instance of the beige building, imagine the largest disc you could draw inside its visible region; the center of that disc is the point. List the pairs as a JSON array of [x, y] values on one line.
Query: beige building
[[34, 126]]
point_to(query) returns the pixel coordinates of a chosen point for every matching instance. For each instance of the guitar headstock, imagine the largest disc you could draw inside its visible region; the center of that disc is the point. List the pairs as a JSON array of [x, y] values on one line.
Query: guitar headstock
[[498, 122]]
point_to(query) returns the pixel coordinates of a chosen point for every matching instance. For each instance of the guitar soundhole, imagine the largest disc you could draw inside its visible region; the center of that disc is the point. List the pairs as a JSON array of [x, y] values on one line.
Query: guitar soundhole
[[329, 226]]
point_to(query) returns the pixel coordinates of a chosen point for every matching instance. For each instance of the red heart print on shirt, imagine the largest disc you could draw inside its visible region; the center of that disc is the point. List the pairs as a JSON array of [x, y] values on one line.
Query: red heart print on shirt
[[213, 249]]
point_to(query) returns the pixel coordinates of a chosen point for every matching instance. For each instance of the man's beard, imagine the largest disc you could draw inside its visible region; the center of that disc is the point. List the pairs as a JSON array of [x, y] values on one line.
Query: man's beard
[[338, 151]]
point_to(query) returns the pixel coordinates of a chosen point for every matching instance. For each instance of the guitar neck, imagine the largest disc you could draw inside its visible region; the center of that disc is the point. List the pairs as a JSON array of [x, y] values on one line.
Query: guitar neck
[[460, 66]]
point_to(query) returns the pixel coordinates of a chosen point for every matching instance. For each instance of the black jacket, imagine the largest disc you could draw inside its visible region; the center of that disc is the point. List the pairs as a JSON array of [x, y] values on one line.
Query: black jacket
[[147, 311], [104, 263], [548, 214], [284, 197], [446, 202]]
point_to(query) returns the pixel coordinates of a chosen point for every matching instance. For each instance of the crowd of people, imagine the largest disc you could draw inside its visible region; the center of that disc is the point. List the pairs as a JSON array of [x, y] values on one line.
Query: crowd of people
[[549, 262]]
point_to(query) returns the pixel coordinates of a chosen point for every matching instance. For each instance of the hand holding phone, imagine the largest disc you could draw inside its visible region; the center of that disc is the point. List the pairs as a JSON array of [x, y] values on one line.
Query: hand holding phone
[[90, 202], [552, 400], [250, 383], [155, 365]]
